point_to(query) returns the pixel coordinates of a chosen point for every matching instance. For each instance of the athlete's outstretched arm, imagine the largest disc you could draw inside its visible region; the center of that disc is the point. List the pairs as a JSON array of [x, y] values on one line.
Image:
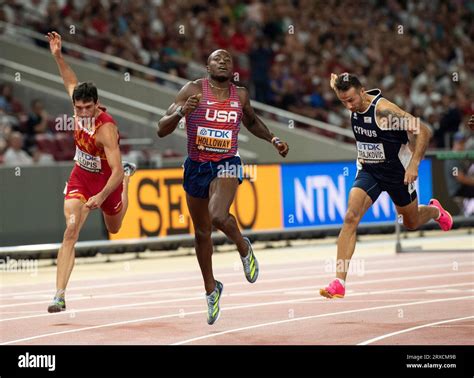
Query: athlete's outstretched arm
[[391, 117], [256, 126], [187, 100], [68, 75], [107, 136]]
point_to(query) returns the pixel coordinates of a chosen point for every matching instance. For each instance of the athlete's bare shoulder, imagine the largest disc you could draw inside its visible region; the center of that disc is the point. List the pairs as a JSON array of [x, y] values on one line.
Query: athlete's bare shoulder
[[386, 107], [243, 93], [384, 104], [241, 89], [195, 86], [189, 89]]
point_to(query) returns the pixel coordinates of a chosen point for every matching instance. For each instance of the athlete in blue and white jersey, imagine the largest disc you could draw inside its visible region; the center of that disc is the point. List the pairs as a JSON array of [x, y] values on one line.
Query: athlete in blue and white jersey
[[390, 146]]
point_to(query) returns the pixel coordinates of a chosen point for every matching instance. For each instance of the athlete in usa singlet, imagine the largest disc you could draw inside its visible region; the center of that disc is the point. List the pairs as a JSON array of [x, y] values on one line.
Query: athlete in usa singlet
[[214, 126]]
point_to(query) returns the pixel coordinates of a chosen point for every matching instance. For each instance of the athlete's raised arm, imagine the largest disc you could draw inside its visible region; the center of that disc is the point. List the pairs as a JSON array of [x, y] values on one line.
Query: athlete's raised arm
[[256, 126], [68, 75], [391, 117], [186, 101]]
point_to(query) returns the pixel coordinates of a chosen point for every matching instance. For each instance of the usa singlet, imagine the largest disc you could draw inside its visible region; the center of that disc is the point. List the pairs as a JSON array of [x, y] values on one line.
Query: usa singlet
[[213, 127]]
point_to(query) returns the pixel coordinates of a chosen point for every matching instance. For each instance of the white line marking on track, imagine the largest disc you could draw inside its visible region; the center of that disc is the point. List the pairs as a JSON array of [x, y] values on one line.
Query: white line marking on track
[[375, 339], [245, 293], [208, 336], [370, 261], [174, 289], [202, 312]]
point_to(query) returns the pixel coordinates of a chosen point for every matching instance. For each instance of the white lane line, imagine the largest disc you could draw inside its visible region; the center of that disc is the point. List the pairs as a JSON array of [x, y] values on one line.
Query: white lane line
[[312, 266], [227, 309], [375, 339], [238, 307], [196, 287], [138, 282], [208, 336], [244, 293]]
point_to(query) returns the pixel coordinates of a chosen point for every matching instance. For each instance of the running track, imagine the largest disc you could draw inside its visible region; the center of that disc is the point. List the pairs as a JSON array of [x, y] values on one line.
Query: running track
[[419, 298]]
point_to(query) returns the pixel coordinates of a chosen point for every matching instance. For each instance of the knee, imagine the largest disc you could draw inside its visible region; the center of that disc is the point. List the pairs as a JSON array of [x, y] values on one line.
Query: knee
[[113, 229], [352, 217], [202, 234], [218, 221], [72, 233]]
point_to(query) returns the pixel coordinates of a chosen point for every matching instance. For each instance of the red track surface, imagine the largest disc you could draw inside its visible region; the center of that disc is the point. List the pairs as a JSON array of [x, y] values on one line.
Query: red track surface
[[395, 294]]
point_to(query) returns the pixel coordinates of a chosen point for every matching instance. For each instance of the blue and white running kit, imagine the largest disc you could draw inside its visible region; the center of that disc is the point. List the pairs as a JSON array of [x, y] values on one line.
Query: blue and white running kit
[[382, 156]]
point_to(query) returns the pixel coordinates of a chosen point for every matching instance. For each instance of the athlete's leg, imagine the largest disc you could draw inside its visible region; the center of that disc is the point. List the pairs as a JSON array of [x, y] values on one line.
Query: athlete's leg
[[365, 191], [198, 208], [415, 216], [114, 222], [359, 203], [75, 213], [221, 195]]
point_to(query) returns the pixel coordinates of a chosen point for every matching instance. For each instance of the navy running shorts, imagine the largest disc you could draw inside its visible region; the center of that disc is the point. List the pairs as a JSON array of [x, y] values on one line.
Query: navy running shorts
[[401, 194], [198, 176]]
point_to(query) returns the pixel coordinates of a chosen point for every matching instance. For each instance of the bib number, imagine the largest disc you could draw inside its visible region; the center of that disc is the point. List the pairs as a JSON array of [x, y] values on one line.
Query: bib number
[[88, 162], [213, 140], [370, 151]]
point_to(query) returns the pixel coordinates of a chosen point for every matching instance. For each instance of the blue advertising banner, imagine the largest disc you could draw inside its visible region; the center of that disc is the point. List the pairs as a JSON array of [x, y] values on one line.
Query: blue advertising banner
[[316, 194]]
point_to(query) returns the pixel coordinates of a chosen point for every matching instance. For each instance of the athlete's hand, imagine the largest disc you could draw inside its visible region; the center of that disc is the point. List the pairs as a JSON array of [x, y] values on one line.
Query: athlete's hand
[[332, 82], [411, 173], [95, 202], [191, 103], [54, 43], [282, 147]]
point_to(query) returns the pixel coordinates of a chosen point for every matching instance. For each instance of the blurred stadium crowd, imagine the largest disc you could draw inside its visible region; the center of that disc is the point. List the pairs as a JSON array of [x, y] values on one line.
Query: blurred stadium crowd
[[420, 53]]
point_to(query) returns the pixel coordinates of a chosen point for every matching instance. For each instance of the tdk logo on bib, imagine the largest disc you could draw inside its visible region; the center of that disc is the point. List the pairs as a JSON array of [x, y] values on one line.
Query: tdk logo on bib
[[221, 115], [370, 151], [213, 133]]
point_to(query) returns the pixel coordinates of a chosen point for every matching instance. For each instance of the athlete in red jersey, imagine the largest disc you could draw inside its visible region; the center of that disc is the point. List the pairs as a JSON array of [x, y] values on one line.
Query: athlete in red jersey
[[214, 108], [98, 179]]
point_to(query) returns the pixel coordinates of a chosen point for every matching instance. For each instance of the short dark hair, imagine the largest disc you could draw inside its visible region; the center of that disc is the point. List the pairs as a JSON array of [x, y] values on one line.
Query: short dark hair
[[85, 92], [346, 81]]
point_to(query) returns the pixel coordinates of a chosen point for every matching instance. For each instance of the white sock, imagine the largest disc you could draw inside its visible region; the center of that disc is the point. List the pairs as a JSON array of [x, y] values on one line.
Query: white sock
[[343, 283], [60, 293]]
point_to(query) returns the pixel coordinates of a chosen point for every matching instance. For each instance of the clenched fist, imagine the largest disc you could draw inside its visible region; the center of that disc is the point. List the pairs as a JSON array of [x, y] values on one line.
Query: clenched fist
[[191, 103]]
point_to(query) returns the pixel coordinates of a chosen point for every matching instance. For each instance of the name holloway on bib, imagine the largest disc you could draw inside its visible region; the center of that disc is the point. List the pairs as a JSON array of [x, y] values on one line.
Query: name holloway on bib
[[213, 140]]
